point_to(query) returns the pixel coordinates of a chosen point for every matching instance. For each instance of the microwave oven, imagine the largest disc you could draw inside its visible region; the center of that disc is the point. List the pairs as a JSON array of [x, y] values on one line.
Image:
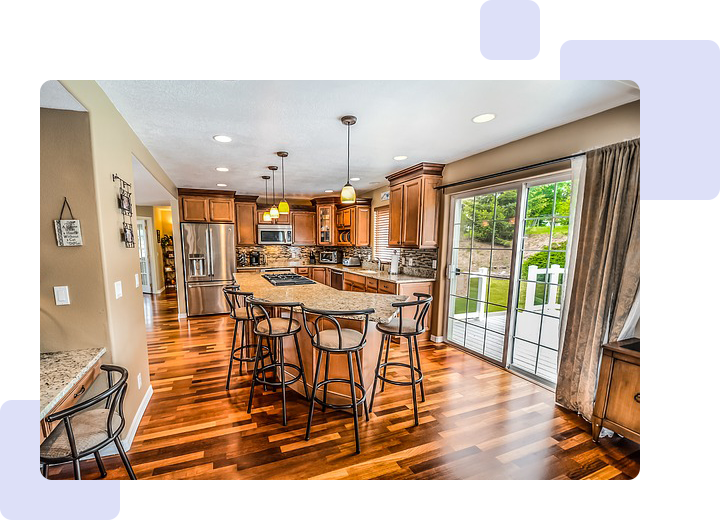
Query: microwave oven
[[329, 257], [274, 234]]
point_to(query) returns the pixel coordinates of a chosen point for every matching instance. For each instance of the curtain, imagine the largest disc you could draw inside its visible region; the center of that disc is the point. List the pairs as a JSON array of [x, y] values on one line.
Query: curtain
[[606, 274]]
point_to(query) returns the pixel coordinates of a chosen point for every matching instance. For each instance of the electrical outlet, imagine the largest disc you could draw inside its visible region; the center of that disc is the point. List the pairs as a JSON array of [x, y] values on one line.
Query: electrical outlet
[[410, 262], [434, 264], [137, 280], [139, 381]]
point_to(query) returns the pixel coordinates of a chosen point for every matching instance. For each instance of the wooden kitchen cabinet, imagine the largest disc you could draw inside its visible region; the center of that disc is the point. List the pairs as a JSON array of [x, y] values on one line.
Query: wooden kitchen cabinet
[[354, 228], [245, 222], [617, 401], [414, 206], [282, 219], [319, 275], [326, 225], [206, 205], [303, 223]]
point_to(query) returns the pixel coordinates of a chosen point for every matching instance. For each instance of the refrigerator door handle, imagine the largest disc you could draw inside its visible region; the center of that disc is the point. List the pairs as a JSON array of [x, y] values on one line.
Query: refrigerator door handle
[[210, 252]]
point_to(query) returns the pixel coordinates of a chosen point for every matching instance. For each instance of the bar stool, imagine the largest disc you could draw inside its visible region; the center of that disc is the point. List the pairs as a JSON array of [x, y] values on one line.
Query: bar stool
[[337, 340], [273, 330], [240, 313], [409, 328]]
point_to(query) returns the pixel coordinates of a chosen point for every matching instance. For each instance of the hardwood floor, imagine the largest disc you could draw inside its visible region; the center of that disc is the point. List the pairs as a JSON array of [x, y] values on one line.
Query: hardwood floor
[[478, 422]]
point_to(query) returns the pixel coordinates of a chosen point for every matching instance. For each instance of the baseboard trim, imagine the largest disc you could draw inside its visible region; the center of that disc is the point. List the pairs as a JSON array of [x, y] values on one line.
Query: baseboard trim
[[132, 429], [436, 339], [160, 291], [182, 315]]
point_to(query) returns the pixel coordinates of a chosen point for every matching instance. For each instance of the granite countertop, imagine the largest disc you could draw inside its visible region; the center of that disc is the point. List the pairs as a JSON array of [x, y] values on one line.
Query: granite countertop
[[60, 371], [321, 296], [378, 275]]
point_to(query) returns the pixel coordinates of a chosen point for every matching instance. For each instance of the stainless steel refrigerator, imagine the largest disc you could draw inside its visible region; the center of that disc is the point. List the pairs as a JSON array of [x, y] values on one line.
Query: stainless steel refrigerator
[[209, 264]]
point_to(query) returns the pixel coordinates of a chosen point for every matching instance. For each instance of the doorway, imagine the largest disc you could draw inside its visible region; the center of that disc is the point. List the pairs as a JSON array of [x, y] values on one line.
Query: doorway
[[506, 270], [143, 251]]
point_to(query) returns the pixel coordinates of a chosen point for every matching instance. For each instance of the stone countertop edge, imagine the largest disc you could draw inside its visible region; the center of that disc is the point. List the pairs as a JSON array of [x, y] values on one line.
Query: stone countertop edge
[[320, 296], [47, 358], [383, 275]]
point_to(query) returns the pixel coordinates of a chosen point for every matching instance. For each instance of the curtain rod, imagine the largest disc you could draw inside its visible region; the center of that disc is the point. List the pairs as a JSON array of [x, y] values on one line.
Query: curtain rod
[[508, 172]]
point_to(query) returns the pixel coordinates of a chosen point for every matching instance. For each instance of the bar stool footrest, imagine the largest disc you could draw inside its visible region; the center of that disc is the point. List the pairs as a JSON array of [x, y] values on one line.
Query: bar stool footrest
[[261, 379], [360, 400], [266, 353], [418, 378]]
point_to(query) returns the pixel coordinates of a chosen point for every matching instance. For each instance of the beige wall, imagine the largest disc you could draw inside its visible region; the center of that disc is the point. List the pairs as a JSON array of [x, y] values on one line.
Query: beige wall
[[66, 170], [612, 126], [113, 145]]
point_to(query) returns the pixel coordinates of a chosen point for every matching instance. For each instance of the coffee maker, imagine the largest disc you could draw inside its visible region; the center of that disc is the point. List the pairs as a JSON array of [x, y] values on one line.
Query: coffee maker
[[257, 258]]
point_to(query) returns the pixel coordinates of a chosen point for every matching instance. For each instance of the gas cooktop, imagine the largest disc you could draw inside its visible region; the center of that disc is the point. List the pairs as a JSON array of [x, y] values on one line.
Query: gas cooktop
[[287, 279]]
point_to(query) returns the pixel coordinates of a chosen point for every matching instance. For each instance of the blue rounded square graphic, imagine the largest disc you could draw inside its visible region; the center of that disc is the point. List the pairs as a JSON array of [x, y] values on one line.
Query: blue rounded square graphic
[[510, 30]]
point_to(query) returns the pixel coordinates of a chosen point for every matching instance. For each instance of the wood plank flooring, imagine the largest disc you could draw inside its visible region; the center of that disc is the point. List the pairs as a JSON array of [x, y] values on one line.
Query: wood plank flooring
[[478, 422]]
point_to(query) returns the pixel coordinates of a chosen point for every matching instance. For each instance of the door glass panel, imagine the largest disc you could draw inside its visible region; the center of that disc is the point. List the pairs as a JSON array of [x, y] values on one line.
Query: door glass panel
[[480, 272], [539, 279]]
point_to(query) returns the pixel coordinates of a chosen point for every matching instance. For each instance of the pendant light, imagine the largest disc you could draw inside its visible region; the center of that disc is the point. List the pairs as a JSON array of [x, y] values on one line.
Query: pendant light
[[266, 214], [347, 195], [283, 207], [274, 213]]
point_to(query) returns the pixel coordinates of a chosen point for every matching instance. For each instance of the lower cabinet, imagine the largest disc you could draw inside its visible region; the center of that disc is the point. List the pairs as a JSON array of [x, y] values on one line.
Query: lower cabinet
[[319, 275]]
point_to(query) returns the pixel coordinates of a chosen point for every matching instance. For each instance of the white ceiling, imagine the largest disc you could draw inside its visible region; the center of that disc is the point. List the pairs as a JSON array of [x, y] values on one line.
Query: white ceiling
[[146, 190], [54, 95], [425, 120]]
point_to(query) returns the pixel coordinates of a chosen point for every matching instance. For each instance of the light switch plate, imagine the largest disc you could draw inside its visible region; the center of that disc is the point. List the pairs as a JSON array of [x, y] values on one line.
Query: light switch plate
[[62, 295], [137, 280], [139, 381], [434, 264], [118, 290]]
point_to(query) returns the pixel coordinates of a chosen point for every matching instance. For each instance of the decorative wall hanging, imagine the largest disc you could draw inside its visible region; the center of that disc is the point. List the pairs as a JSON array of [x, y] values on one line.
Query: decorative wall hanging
[[67, 231], [125, 204]]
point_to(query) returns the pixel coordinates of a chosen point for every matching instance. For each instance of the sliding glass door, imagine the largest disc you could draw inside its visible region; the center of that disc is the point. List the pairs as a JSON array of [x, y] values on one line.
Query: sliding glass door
[[480, 269], [505, 284]]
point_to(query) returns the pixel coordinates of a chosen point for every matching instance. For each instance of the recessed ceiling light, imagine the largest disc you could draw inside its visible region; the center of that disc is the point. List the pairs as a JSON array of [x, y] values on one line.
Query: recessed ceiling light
[[354, 178], [328, 191], [221, 185], [222, 169], [222, 138], [400, 157], [483, 118]]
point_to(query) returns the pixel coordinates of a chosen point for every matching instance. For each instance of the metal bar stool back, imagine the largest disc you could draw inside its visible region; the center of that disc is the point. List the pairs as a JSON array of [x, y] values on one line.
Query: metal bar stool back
[[328, 337], [85, 430], [273, 330], [409, 328], [237, 301]]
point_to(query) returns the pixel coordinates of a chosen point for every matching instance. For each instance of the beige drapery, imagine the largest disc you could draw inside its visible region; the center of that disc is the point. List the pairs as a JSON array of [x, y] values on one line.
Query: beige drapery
[[606, 278]]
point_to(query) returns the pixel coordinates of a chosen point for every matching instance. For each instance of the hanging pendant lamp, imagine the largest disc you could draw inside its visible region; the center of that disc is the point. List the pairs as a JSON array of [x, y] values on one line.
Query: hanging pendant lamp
[[347, 195], [266, 214], [274, 213], [283, 207]]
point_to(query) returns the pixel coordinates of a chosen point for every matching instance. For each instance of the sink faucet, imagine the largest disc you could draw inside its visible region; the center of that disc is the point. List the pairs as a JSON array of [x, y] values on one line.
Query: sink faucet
[[379, 265]]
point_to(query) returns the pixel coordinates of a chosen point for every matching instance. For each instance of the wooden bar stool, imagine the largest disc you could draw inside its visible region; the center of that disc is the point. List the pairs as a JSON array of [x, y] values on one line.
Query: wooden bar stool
[[240, 313], [337, 340], [273, 330], [410, 329]]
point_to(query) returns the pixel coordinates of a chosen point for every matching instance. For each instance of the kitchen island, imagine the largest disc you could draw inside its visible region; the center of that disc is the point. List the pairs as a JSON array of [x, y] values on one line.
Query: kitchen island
[[320, 296]]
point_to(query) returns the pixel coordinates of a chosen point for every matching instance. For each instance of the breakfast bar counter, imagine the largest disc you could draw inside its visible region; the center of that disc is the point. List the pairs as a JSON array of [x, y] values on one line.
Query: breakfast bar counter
[[323, 297]]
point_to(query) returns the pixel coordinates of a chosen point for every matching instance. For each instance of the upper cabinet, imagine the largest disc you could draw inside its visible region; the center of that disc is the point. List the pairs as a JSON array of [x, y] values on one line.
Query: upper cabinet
[[245, 220], [326, 224], [353, 223], [206, 205], [414, 206], [303, 224], [282, 219]]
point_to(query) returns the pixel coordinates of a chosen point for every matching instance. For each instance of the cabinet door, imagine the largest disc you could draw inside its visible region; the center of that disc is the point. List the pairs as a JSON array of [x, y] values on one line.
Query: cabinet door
[[396, 216], [318, 274], [194, 209], [411, 213], [347, 217], [245, 223], [221, 210], [325, 226], [622, 407], [362, 226], [303, 228], [430, 213], [284, 219]]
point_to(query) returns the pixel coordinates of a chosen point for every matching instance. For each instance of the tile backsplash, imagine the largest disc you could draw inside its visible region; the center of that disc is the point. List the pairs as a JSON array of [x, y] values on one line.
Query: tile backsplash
[[421, 259]]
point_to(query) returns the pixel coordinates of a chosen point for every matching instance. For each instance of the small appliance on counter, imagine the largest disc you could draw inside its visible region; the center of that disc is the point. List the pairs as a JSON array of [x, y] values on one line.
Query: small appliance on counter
[[329, 257], [351, 261], [312, 257], [257, 258], [242, 260]]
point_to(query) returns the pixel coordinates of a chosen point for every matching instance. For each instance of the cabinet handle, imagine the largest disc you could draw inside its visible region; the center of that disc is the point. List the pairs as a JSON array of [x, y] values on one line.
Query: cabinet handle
[[80, 392], [637, 397]]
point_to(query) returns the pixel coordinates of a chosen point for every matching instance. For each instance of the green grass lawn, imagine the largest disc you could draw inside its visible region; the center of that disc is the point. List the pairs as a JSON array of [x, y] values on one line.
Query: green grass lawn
[[545, 230], [497, 297]]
